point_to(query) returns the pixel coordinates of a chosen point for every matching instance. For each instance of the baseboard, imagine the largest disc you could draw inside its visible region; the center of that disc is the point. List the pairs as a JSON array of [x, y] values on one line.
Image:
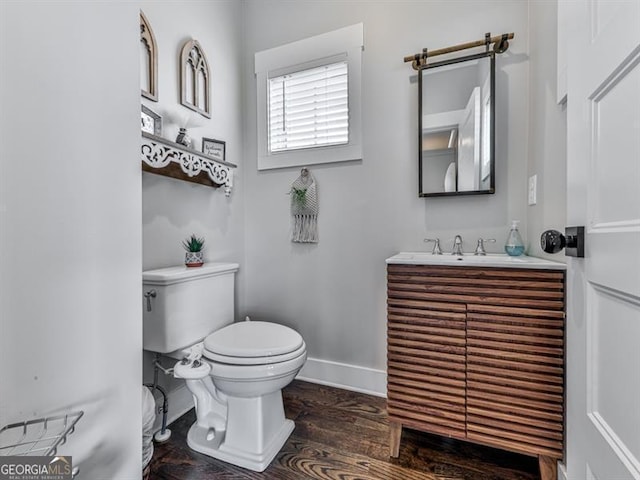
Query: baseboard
[[180, 402], [345, 376]]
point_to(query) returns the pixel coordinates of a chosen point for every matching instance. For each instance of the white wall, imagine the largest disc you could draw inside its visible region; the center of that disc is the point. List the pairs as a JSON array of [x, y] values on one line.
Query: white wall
[[173, 209], [70, 234], [547, 131], [334, 292]]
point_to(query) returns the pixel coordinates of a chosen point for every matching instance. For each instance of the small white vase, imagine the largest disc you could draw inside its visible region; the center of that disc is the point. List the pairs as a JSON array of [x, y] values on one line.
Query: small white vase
[[194, 259]]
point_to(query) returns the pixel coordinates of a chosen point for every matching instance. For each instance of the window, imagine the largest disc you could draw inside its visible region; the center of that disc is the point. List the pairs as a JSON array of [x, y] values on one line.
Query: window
[[309, 108], [308, 95]]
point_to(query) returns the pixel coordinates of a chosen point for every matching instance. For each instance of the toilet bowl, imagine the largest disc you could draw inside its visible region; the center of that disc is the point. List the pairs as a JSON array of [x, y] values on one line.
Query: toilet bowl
[[235, 371], [242, 372]]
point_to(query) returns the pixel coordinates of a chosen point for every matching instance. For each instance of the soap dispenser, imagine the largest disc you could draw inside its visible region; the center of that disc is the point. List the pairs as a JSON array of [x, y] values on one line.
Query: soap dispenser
[[514, 245]]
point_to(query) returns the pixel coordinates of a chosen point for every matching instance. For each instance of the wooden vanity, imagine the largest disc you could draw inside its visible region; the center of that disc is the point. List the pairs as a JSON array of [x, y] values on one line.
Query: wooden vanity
[[476, 353]]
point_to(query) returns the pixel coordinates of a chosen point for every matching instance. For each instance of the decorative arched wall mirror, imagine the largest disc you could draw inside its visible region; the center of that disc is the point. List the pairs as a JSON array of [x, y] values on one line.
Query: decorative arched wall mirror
[[456, 126], [148, 60], [194, 79]]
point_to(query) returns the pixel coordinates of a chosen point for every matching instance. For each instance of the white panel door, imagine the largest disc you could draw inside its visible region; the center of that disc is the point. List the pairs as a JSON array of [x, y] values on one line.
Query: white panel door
[[469, 144], [603, 317]]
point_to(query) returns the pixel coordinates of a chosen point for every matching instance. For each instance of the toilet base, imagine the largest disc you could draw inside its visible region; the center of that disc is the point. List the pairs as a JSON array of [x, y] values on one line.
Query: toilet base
[[216, 447], [252, 428]]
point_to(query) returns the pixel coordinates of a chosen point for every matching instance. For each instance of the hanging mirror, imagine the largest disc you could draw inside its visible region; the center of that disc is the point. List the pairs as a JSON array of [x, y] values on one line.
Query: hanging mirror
[[456, 126]]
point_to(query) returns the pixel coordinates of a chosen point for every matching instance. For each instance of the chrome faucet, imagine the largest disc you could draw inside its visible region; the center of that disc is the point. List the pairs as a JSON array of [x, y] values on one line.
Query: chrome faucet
[[480, 247], [436, 245], [457, 246]]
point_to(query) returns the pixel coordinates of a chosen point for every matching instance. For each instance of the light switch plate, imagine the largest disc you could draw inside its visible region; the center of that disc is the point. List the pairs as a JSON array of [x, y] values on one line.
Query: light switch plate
[[533, 189]]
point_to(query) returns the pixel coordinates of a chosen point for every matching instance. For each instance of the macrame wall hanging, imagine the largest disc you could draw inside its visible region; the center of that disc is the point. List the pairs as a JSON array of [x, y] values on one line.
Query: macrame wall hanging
[[304, 208]]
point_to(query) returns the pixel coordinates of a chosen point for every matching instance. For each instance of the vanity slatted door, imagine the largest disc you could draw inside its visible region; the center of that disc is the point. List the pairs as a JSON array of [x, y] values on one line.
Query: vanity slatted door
[[492, 341], [515, 366], [426, 361]]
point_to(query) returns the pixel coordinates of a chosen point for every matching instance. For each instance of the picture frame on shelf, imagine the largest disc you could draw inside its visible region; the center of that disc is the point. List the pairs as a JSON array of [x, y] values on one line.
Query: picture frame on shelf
[[151, 122], [215, 149]]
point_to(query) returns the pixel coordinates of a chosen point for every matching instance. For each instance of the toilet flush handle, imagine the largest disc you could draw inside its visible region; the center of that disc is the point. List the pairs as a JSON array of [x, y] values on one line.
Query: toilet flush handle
[[149, 295]]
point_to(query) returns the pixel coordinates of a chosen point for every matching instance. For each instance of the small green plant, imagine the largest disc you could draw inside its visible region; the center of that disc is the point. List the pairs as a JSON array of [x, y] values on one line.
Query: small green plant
[[299, 195], [193, 243]]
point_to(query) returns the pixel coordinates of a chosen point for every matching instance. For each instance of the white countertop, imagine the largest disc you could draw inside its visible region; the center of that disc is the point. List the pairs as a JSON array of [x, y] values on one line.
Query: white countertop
[[500, 260]]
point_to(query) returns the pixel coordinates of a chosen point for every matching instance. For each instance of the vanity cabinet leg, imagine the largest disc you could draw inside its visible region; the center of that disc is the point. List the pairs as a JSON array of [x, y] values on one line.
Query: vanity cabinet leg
[[395, 432], [548, 468]]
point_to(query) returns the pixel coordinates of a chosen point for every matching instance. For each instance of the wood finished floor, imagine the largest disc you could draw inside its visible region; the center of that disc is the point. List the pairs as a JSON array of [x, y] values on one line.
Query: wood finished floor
[[342, 435]]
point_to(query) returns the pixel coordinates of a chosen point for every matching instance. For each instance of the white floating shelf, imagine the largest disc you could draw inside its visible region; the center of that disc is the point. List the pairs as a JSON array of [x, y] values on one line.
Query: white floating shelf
[[164, 157]]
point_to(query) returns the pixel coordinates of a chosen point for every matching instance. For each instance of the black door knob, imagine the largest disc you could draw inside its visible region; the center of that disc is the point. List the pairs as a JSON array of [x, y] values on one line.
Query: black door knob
[[552, 241]]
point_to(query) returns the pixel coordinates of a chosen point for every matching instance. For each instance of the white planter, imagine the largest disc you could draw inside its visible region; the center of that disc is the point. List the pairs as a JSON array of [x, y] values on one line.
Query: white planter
[[194, 259]]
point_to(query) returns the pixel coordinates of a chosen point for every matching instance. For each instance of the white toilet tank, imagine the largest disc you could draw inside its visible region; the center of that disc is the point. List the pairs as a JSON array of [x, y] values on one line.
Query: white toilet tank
[[188, 305]]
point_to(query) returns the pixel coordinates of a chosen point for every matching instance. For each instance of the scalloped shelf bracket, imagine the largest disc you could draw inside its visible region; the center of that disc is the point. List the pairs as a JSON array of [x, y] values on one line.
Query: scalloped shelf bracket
[[170, 159]]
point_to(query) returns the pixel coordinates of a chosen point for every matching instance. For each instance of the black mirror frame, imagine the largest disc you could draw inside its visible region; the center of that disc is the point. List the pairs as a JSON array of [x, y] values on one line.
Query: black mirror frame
[[492, 123]]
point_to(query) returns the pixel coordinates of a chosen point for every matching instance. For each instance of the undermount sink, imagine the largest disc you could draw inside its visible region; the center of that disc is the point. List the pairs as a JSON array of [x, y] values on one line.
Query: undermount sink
[[470, 260]]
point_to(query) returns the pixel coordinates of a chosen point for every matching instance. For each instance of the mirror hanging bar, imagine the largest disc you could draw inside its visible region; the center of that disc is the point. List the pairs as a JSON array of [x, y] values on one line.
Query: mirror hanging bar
[[500, 45]]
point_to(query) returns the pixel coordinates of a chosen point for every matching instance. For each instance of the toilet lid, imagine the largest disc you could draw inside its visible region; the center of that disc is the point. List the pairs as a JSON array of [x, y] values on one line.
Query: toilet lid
[[253, 361], [253, 340]]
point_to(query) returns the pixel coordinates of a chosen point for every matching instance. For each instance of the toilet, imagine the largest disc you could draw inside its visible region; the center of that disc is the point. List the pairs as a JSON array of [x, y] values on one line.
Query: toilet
[[235, 371]]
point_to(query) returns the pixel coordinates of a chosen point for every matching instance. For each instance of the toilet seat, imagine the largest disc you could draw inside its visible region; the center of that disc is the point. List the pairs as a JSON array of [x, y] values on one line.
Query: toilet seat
[[248, 361], [253, 343]]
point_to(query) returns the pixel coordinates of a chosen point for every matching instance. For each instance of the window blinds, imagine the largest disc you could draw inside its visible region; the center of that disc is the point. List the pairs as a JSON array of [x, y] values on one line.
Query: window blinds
[[309, 108]]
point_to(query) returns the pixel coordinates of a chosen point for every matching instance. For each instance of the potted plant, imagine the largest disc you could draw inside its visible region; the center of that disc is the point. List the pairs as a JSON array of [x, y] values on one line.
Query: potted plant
[[194, 257]]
